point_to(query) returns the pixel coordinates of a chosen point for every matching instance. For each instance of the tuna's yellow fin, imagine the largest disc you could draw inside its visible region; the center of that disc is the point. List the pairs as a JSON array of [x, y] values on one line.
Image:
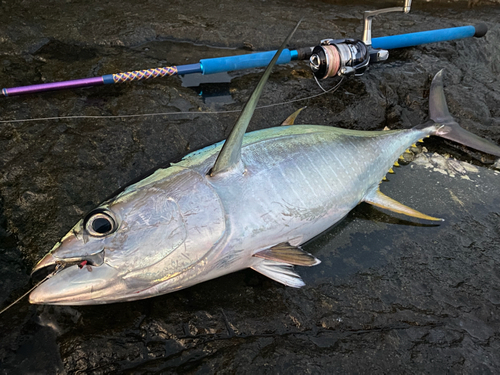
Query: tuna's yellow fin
[[290, 120], [286, 253], [378, 199]]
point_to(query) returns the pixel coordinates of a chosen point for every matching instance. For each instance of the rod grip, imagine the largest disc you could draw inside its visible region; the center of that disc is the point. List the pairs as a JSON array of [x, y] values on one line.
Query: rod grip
[[425, 37], [253, 60]]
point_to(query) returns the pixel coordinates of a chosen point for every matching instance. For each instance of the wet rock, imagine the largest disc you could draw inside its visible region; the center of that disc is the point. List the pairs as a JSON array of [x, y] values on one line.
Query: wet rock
[[391, 295]]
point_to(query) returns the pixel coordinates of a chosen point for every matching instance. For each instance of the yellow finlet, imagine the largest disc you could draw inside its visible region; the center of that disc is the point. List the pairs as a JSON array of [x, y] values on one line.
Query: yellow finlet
[[378, 199], [407, 151], [391, 170], [420, 140], [414, 145], [396, 164], [290, 120], [384, 178], [402, 158]]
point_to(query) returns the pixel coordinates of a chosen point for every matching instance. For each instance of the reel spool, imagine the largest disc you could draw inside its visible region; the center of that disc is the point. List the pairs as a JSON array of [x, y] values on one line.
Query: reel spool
[[337, 57], [343, 57]]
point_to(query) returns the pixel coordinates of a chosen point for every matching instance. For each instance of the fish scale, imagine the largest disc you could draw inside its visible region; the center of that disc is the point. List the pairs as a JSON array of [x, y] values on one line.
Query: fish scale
[[311, 180]]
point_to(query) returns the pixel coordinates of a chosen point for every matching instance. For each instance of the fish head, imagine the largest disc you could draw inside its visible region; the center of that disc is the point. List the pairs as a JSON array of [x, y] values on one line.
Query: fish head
[[148, 240]]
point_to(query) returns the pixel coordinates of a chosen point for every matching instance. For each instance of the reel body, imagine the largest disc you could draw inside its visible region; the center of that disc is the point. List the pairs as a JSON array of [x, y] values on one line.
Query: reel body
[[344, 57], [339, 57]]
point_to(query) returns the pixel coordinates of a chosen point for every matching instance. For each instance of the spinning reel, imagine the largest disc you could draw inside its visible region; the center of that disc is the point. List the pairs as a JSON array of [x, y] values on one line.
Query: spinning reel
[[344, 57]]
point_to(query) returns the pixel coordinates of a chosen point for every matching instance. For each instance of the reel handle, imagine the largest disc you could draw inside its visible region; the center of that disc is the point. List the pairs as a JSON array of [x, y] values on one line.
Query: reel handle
[[370, 14]]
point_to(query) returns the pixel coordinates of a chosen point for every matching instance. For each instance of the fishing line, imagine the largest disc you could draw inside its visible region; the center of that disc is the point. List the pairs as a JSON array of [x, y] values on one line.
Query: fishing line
[[29, 291], [24, 295], [333, 89]]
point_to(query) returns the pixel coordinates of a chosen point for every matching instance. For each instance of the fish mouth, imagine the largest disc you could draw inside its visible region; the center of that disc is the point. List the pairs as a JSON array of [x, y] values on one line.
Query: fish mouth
[[73, 285], [44, 268], [62, 283], [50, 263]]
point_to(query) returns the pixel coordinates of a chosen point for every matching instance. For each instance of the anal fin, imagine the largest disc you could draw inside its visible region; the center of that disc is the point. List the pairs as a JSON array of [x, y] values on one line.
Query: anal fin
[[281, 272], [286, 253], [378, 199]]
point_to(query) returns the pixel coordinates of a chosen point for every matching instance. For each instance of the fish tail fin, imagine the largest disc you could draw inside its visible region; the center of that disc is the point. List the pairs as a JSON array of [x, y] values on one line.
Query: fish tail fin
[[445, 125]]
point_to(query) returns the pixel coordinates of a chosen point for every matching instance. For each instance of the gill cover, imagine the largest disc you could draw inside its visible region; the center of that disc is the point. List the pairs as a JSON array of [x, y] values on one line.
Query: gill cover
[[175, 223]]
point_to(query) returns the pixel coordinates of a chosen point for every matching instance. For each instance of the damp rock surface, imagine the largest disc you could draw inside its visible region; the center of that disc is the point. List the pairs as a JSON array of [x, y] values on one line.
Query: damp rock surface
[[391, 295]]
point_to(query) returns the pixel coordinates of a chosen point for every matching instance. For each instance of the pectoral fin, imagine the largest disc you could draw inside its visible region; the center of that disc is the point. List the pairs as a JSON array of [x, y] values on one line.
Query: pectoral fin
[[290, 120], [377, 198], [280, 272], [286, 253]]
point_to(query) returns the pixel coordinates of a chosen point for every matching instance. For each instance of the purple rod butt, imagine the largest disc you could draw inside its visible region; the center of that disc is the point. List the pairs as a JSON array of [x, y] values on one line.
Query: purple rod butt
[[94, 81]]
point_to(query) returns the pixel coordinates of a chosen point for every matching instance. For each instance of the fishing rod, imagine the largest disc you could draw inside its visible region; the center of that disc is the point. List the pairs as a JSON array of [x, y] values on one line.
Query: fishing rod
[[332, 57]]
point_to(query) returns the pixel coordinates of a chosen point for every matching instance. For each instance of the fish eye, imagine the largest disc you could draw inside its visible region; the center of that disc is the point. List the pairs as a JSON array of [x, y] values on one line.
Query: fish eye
[[100, 223]]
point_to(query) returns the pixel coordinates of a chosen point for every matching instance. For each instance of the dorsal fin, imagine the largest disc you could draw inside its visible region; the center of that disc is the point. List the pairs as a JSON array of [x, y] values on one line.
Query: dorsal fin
[[290, 120], [230, 155], [377, 198]]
